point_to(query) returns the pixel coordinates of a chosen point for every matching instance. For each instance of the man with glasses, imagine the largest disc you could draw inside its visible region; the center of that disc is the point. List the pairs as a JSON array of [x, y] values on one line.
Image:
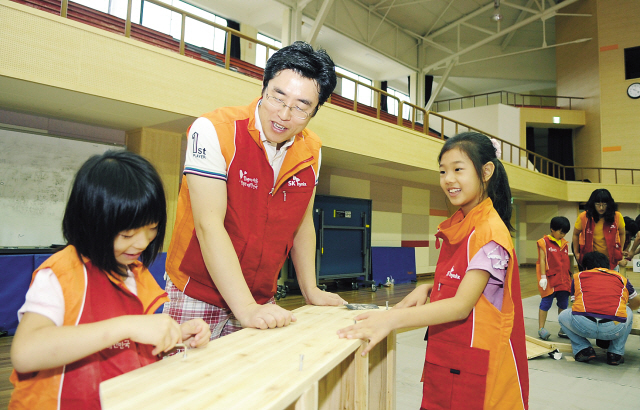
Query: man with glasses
[[246, 201]]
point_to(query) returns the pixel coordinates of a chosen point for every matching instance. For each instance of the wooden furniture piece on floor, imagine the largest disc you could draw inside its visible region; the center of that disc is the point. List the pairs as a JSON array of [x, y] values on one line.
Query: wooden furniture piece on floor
[[635, 327], [260, 369]]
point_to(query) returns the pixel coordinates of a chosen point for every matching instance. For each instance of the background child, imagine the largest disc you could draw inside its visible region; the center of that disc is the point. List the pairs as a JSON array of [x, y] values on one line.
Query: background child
[[88, 314], [554, 272], [476, 340]]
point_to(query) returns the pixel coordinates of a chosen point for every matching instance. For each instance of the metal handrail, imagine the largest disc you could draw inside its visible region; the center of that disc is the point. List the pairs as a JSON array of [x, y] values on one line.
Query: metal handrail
[[508, 98], [532, 160]]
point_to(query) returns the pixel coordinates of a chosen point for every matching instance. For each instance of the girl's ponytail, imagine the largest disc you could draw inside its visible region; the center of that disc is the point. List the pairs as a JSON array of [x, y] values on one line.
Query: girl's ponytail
[[500, 193]]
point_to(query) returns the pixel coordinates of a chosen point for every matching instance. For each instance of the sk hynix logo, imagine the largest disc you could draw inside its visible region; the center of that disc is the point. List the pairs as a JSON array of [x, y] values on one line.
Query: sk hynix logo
[[295, 181]]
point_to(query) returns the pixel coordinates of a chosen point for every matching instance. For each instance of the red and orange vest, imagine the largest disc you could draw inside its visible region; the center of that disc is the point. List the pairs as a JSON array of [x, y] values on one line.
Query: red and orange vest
[[558, 266], [479, 362], [262, 214], [601, 293], [89, 298], [611, 237]]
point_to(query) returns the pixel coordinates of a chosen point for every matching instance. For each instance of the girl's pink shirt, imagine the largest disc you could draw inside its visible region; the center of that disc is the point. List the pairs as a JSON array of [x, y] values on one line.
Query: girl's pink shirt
[[494, 259]]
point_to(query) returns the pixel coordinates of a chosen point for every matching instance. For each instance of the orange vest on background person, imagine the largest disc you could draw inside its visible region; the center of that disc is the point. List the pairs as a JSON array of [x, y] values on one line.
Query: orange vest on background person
[[611, 237], [558, 266], [89, 298], [262, 214], [600, 293], [479, 362]]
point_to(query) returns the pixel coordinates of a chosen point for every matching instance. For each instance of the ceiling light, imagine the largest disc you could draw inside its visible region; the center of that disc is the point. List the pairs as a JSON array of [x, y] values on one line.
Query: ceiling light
[[496, 16]]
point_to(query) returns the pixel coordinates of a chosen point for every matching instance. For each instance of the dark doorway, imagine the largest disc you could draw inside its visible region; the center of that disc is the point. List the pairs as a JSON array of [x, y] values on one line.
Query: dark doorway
[[555, 144]]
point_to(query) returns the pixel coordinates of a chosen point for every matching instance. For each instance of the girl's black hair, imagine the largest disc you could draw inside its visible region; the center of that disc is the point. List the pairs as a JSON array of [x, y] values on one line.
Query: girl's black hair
[[599, 196], [111, 193], [309, 63], [480, 150]]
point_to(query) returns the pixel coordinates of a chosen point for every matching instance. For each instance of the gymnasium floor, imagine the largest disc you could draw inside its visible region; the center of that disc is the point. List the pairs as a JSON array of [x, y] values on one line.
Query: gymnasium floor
[[554, 384]]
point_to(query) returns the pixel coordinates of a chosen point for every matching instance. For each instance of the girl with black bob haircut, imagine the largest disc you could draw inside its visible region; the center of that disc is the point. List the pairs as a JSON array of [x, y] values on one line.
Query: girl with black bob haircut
[[114, 192], [307, 62], [89, 311]]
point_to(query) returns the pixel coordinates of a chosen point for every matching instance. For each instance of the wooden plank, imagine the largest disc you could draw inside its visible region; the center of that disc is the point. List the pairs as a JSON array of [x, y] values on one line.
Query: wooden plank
[[253, 369], [635, 327]]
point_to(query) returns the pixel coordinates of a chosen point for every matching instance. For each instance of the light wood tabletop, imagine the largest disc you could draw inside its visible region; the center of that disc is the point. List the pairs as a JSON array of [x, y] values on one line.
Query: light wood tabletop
[[260, 369]]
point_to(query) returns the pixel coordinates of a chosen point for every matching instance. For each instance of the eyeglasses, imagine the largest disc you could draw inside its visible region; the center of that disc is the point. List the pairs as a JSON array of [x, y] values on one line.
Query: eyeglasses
[[601, 205], [296, 111]]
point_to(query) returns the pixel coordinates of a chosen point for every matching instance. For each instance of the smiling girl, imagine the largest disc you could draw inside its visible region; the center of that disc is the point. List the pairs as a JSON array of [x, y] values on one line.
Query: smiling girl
[[88, 314], [476, 354]]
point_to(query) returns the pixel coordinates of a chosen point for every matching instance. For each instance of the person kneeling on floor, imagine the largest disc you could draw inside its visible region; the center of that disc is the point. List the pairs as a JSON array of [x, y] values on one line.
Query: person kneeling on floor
[[600, 310]]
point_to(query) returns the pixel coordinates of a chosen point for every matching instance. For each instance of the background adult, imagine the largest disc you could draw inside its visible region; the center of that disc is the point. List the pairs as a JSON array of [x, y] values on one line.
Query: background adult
[[600, 310], [246, 200], [599, 228]]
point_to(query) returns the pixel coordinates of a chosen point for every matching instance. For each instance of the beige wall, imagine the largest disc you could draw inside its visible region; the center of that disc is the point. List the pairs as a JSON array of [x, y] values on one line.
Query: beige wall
[[578, 76], [618, 25], [595, 70]]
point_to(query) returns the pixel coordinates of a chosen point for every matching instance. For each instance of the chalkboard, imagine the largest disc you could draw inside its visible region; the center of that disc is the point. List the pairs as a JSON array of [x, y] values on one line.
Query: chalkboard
[[36, 173]]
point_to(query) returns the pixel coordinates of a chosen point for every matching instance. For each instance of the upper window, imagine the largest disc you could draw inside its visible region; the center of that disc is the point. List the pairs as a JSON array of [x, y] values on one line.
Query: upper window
[[632, 62], [166, 21], [392, 104], [261, 51], [348, 87]]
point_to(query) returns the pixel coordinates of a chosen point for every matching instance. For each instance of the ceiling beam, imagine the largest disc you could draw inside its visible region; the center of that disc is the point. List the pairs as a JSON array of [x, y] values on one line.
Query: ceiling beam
[[509, 36], [319, 21], [540, 16]]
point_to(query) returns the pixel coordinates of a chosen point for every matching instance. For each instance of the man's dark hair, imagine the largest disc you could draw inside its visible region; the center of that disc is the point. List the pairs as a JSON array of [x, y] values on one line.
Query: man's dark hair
[[560, 223], [594, 260], [111, 193], [313, 64]]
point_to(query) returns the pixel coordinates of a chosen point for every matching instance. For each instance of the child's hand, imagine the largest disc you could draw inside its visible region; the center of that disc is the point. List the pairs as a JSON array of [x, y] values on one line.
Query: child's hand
[[195, 333], [372, 326], [417, 297], [159, 330], [543, 283]]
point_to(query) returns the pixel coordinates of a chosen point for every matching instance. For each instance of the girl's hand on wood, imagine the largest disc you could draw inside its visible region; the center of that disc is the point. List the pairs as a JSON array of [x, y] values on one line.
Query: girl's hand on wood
[[159, 330], [195, 333], [370, 326], [417, 297]]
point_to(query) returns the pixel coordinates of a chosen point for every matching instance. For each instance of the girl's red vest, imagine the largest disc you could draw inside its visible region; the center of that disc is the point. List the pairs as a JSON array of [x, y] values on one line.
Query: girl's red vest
[[262, 214], [479, 362], [89, 298], [611, 237]]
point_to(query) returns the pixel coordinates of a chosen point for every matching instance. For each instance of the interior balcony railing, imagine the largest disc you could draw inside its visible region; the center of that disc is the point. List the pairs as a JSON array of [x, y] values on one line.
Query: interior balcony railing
[[416, 118], [507, 98]]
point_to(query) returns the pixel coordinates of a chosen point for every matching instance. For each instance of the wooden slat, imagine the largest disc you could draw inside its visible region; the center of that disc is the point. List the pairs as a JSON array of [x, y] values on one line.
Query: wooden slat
[[252, 369]]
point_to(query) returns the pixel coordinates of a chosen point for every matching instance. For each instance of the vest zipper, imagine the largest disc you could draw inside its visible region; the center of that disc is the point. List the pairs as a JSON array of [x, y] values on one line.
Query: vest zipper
[[284, 193]]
